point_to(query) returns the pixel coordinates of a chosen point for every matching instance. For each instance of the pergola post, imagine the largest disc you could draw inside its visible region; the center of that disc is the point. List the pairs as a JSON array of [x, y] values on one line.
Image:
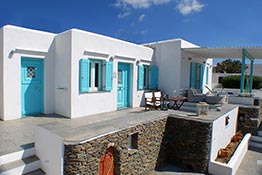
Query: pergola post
[[251, 76], [242, 82]]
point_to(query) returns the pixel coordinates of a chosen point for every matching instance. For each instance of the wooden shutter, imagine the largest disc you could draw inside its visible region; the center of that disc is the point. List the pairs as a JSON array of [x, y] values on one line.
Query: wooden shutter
[[109, 76], [192, 75], [140, 82], [154, 77], [84, 75]]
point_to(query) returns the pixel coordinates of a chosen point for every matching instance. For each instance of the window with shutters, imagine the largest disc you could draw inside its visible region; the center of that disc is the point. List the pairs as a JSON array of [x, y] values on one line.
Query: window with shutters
[[147, 77], [95, 75]]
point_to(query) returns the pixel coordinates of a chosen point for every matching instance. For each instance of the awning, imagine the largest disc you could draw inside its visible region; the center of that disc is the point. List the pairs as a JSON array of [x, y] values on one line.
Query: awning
[[251, 53], [230, 52]]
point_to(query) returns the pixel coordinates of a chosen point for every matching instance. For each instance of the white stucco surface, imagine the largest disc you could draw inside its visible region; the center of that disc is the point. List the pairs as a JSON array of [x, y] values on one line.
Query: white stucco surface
[[61, 54], [31, 41], [63, 73], [222, 134], [1, 74], [232, 166], [90, 45], [50, 150], [174, 65]]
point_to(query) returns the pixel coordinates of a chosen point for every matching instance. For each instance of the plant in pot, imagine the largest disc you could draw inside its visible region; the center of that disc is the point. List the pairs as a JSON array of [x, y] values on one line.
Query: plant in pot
[[223, 152]]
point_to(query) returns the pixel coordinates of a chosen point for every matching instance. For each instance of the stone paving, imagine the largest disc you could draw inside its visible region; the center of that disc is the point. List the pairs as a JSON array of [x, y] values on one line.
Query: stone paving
[[17, 134]]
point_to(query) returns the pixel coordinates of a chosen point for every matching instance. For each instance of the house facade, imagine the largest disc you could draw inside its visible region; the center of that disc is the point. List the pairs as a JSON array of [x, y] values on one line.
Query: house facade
[[77, 73], [179, 70]]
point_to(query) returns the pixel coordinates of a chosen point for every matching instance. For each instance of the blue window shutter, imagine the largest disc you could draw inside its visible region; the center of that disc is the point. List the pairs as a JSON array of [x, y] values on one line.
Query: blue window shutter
[[84, 75], [192, 74], [154, 77], [207, 72], [140, 82], [109, 76], [202, 68]]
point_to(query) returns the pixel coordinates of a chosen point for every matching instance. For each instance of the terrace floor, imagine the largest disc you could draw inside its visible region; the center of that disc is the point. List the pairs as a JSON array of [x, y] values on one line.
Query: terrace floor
[[16, 134]]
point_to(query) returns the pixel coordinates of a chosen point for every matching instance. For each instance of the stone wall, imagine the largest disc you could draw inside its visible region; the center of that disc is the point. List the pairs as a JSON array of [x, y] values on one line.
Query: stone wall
[[84, 158], [187, 143], [249, 118]]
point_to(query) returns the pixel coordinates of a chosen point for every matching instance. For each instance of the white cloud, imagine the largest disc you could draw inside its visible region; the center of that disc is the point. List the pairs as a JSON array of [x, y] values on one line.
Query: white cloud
[[123, 15], [141, 17], [138, 4], [186, 7]]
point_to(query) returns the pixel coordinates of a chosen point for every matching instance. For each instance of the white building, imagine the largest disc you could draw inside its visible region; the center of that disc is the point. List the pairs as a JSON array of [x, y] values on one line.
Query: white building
[[78, 73], [179, 70]]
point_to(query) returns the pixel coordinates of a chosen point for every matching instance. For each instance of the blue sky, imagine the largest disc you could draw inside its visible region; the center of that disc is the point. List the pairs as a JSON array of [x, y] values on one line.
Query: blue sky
[[212, 23]]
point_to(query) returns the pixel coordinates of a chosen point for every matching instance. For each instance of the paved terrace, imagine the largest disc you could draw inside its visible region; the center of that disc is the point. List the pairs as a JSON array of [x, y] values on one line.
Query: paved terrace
[[17, 134]]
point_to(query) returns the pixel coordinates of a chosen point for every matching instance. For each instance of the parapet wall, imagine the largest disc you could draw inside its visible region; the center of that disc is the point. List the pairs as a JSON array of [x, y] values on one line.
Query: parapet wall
[[84, 158], [188, 143]]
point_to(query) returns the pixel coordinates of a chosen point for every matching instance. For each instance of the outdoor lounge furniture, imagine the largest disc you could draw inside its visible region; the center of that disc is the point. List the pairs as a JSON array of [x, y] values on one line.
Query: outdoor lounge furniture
[[152, 100], [215, 99], [195, 95]]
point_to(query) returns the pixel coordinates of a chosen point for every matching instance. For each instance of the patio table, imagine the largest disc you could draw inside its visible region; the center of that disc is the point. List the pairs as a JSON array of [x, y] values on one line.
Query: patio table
[[177, 102]]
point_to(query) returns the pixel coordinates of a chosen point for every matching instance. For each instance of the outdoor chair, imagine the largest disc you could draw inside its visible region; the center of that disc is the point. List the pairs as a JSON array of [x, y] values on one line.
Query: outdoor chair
[[152, 100]]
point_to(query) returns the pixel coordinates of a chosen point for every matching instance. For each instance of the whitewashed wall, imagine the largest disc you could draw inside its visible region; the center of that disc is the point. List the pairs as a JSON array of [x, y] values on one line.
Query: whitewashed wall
[[1, 74], [185, 71], [17, 37], [221, 134], [50, 150], [90, 45], [63, 76], [168, 58]]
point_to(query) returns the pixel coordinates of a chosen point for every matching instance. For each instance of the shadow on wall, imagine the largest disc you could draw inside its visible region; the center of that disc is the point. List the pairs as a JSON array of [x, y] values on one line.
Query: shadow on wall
[[185, 145], [116, 161]]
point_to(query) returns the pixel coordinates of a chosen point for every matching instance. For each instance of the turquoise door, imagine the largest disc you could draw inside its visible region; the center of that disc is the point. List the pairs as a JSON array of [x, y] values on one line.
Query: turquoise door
[[31, 86], [123, 85], [196, 75]]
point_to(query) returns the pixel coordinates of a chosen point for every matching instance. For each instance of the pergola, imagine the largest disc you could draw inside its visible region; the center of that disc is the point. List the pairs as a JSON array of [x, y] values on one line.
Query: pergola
[[251, 53]]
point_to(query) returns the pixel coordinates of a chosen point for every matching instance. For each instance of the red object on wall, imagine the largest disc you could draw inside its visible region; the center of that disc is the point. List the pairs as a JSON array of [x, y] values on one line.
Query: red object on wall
[[106, 165]]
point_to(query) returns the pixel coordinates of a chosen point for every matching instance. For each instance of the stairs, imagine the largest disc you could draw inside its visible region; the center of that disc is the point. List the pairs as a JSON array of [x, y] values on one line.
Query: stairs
[[189, 107], [255, 142], [21, 162]]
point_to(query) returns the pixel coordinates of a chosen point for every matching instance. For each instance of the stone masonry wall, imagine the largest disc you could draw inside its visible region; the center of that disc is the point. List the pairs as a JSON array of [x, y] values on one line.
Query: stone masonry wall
[[84, 158], [187, 143], [249, 118]]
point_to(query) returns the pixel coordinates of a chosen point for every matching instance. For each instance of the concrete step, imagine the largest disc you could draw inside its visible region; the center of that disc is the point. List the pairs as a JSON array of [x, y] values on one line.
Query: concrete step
[[36, 172], [256, 139], [255, 143], [27, 151], [20, 167], [259, 133], [188, 108]]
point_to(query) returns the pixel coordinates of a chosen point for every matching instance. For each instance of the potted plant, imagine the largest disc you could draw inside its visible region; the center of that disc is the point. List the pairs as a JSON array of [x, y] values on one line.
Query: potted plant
[[223, 152]]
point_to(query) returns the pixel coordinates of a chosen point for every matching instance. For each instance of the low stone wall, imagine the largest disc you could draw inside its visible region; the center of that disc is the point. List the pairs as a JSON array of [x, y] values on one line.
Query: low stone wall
[[249, 118], [187, 143], [84, 158]]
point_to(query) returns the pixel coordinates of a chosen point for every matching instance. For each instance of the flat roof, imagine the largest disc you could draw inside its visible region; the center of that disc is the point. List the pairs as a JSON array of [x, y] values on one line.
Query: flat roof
[[227, 52]]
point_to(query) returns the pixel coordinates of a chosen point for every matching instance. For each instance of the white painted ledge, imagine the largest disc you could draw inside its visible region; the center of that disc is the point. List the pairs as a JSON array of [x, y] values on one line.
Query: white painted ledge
[[231, 168]]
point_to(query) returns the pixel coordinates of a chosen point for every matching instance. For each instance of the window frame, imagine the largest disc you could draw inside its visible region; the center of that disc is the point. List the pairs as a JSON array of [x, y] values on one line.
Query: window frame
[[92, 75], [146, 83], [132, 141]]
